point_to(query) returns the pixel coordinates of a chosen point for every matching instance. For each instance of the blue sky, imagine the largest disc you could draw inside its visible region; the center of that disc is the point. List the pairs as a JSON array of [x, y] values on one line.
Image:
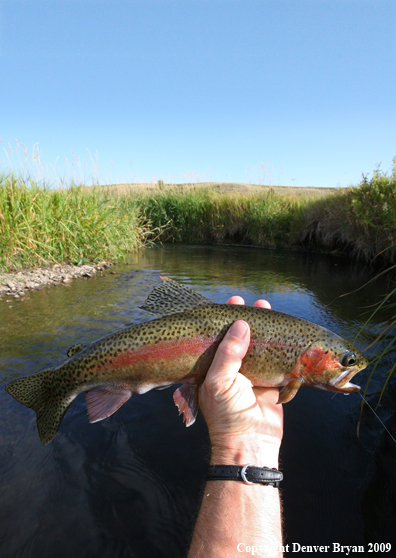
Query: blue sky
[[282, 92]]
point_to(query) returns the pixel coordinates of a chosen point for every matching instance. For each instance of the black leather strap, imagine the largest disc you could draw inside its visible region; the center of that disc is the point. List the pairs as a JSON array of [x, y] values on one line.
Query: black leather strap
[[253, 474]]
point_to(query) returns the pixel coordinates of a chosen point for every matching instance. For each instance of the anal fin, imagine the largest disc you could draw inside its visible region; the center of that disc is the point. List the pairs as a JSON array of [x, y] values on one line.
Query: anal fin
[[102, 402], [186, 400], [287, 393]]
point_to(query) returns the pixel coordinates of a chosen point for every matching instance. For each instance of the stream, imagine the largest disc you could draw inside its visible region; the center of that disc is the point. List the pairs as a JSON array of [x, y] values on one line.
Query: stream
[[130, 485]]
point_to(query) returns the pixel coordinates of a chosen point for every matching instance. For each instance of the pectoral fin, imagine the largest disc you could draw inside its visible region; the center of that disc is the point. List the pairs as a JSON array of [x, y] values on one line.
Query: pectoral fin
[[186, 400], [102, 402], [287, 393]]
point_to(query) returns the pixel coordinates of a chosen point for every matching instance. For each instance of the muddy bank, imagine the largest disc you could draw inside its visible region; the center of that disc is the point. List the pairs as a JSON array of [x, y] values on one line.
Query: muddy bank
[[17, 284]]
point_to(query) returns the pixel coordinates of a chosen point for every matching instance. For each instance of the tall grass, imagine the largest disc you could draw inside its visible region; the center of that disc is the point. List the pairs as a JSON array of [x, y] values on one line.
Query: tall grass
[[39, 226], [359, 220], [30, 166], [202, 216]]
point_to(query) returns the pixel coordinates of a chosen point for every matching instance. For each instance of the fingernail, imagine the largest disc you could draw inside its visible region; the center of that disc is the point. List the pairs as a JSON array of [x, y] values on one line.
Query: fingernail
[[239, 329]]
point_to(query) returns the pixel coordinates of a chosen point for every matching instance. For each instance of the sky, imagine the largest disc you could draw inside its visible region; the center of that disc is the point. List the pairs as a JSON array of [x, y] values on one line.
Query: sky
[[294, 93]]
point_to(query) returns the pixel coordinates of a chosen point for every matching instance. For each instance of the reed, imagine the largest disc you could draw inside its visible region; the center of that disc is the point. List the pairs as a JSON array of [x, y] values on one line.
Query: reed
[[202, 216], [359, 221], [39, 225]]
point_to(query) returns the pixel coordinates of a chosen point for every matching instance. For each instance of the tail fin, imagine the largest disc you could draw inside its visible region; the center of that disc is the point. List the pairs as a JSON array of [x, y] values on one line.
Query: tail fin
[[37, 393]]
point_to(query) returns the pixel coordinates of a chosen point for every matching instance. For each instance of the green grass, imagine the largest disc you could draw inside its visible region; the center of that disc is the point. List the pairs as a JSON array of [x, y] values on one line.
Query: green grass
[[203, 216], [39, 226], [358, 221]]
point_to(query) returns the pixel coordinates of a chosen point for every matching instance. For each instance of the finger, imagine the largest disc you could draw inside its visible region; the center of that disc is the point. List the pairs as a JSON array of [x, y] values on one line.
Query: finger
[[239, 300], [235, 300], [228, 358], [262, 304]]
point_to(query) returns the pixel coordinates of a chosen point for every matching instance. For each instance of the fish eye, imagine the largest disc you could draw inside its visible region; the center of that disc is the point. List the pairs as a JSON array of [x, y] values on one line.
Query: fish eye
[[349, 359]]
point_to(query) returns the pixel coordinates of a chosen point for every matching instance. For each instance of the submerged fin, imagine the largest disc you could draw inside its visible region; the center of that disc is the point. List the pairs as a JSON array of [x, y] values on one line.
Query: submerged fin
[[35, 392], [186, 400], [287, 393], [74, 349], [103, 402], [171, 297]]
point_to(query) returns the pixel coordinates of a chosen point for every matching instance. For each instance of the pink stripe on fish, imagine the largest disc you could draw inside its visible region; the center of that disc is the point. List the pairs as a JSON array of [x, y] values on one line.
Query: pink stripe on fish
[[164, 350]]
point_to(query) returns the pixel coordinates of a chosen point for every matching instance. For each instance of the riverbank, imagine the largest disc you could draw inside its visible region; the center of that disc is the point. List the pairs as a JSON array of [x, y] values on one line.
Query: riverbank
[[359, 221], [41, 226], [17, 284], [79, 225]]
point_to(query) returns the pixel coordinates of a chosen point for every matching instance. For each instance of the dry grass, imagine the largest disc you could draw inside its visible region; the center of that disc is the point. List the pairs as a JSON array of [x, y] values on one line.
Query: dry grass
[[153, 188], [360, 220]]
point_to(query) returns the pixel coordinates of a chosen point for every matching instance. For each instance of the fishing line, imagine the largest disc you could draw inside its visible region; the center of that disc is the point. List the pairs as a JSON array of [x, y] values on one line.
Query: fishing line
[[367, 403]]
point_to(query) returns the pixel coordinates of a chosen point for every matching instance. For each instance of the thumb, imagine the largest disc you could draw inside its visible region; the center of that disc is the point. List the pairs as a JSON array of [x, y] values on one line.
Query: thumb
[[228, 358]]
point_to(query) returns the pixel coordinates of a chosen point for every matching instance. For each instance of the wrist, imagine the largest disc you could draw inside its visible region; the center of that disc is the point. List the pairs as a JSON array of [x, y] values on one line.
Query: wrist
[[242, 450]]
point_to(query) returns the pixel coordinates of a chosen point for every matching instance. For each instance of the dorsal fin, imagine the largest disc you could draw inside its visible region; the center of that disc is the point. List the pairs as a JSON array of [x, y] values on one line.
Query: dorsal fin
[[171, 297], [74, 349]]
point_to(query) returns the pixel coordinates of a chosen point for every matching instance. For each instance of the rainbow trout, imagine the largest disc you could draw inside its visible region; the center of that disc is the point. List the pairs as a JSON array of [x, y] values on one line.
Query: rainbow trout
[[284, 351]]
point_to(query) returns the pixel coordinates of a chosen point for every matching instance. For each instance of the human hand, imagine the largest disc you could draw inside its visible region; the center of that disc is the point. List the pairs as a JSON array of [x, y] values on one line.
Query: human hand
[[245, 423]]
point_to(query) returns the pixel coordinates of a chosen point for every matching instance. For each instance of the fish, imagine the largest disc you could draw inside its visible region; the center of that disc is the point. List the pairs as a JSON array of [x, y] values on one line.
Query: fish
[[178, 348]]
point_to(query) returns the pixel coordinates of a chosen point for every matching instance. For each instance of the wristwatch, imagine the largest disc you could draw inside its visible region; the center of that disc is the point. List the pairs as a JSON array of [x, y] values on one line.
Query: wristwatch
[[249, 474]]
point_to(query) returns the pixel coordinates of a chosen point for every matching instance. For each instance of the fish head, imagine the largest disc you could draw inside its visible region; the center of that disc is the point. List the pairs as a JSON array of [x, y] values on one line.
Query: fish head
[[330, 364]]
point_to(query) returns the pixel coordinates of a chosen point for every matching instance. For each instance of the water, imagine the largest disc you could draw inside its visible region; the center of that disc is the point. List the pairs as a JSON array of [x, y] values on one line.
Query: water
[[129, 486]]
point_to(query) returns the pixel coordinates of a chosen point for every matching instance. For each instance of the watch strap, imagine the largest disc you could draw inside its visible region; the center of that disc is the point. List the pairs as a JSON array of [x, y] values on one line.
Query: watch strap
[[250, 474]]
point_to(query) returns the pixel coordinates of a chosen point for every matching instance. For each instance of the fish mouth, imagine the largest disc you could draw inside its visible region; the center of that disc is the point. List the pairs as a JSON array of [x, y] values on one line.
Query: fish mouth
[[342, 383]]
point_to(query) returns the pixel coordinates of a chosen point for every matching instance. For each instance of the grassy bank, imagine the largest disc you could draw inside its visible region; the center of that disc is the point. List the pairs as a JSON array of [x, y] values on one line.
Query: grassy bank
[[360, 221], [40, 226], [202, 216]]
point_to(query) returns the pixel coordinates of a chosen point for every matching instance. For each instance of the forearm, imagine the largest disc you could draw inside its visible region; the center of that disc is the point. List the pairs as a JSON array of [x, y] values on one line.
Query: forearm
[[245, 426], [235, 517]]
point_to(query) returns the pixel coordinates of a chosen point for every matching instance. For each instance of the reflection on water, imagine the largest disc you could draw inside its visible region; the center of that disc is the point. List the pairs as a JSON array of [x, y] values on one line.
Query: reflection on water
[[130, 485]]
